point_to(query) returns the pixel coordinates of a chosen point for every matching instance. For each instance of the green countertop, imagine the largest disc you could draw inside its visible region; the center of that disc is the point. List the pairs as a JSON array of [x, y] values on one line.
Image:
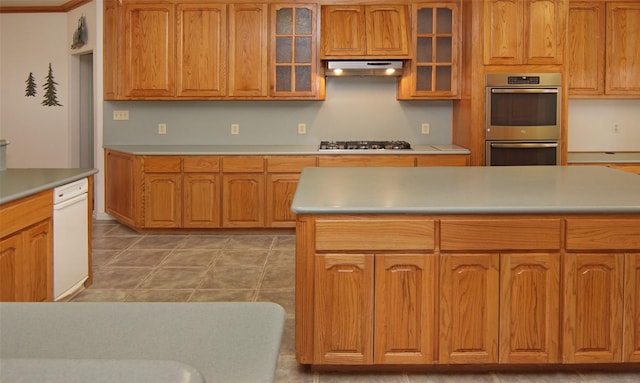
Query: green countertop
[[18, 183]]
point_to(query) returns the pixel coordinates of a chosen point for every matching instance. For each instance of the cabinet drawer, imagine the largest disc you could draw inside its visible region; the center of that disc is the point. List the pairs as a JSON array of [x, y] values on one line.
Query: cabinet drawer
[[243, 164], [290, 164], [374, 234], [373, 160], [505, 234], [603, 234], [201, 164], [442, 160], [162, 164], [19, 214]]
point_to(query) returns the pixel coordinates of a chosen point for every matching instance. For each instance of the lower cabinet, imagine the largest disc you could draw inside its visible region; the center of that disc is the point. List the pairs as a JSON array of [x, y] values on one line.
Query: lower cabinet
[[26, 249], [374, 308], [163, 200], [631, 319], [243, 200], [201, 200]]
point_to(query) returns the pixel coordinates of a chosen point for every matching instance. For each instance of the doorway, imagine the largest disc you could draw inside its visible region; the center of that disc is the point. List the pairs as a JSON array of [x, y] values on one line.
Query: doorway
[[86, 139]]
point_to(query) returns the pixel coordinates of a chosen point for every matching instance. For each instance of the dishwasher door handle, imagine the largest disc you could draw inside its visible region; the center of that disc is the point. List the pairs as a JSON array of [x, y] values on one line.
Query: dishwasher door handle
[[69, 202]]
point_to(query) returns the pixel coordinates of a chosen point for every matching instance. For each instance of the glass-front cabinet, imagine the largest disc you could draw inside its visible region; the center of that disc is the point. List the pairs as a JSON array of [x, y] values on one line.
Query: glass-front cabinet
[[434, 71], [294, 67]]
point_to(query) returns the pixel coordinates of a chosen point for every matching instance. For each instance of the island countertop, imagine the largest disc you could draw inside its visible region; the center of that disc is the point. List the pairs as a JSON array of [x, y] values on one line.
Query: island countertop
[[467, 190], [17, 183]]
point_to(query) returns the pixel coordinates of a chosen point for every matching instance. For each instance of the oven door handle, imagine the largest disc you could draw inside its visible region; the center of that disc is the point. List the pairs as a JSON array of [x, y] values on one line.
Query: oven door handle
[[524, 145], [524, 90]]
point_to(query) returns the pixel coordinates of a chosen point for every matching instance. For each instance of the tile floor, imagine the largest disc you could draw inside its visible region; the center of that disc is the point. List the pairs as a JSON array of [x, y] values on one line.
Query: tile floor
[[131, 267]]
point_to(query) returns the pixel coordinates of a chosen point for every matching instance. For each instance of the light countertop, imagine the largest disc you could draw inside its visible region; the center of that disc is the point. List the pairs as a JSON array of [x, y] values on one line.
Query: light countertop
[[275, 150], [467, 190], [603, 157], [226, 342], [18, 183]]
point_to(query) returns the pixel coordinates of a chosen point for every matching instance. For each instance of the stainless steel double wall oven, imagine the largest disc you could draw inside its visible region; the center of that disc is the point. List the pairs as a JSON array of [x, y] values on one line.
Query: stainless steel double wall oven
[[522, 119]]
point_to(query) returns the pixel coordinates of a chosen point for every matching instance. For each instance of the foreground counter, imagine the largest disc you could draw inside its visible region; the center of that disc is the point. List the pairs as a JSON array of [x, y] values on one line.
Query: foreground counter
[[140, 342], [490, 267]]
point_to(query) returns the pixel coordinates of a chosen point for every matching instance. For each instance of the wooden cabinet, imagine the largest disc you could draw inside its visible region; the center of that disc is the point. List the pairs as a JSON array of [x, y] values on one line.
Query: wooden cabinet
[[434, 71], [201, 52], [603, 59], [507, 297], [162, 191], [524, 31], [248, 50], [366, 160], [111, 49], [243, 191], [622, 67], [443, 160], [293, 62], [26, 249], [201, 192], [631, 320], [148, 53], [283, 173], [372, 31], [374, 300], [123, 191]]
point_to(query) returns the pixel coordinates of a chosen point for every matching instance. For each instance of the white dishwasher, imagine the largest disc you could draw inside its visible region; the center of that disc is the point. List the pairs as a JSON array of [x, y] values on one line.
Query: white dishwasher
[[70, 238]]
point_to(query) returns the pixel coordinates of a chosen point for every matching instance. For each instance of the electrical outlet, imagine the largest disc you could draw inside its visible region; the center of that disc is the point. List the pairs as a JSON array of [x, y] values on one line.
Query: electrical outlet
[[425, 128], [235, 129], [120, 115], [616, 128], [162, 128], [302, 128]]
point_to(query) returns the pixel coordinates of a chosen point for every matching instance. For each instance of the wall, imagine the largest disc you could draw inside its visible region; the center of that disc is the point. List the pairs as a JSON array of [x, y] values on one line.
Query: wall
[[38, 134], [356, 108], [592, 125]]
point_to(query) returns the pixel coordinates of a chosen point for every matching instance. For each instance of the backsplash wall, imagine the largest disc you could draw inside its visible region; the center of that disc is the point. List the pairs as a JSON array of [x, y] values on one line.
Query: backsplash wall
[[592, 125], [356, 108]]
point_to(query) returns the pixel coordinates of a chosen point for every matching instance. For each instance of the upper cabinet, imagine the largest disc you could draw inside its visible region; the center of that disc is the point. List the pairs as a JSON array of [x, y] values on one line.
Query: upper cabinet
[[524, 31], [434, 71], [294, 58], [603, 56], [158, 50], [359, 31]]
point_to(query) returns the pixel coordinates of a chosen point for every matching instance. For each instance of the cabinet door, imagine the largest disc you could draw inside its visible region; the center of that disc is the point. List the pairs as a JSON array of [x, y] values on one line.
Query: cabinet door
[[10, 248], [443, 160], [343, 31], [405, 292], [623, 55], [387, 29], [593, 315], [201, 205], [434, 72], [294, 68], [529, 308], [111, 48], [201, 58], [163, 200], [343, 309], [469, 308], [248, 50], [503, 31], [280, 191], [121, 190], [148, 69], [586, 48], [544, 30], [243, 200], [37, 263], [631, 331]]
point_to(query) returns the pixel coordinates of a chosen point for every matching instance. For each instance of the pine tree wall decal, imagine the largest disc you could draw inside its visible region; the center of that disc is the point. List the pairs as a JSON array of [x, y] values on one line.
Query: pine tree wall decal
[[50, 96], [31, 86]]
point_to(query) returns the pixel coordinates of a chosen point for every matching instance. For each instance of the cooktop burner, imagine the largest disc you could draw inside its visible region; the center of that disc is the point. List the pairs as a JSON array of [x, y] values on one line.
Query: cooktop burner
[[364, 145]]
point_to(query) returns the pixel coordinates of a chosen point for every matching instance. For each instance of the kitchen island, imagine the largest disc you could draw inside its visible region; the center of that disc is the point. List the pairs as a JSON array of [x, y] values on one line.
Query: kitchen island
[[490, 267]]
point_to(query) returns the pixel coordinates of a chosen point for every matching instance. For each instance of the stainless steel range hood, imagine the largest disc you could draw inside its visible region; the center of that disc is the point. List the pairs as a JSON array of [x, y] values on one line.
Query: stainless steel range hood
[[364, 68]]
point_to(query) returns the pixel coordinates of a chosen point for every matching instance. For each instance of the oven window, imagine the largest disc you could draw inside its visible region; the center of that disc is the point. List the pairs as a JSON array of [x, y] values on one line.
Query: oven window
[[524, 109], [522, 156]]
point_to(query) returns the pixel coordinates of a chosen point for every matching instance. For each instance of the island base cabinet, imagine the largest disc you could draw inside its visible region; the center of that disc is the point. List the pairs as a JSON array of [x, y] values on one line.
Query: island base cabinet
[[404, 309], [343, 309], [529, 308], [631, 342], [593, 301], [469, 308]]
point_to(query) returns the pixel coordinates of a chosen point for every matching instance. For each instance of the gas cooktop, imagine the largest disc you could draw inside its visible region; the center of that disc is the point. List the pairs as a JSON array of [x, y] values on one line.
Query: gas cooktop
[[364, 145]]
